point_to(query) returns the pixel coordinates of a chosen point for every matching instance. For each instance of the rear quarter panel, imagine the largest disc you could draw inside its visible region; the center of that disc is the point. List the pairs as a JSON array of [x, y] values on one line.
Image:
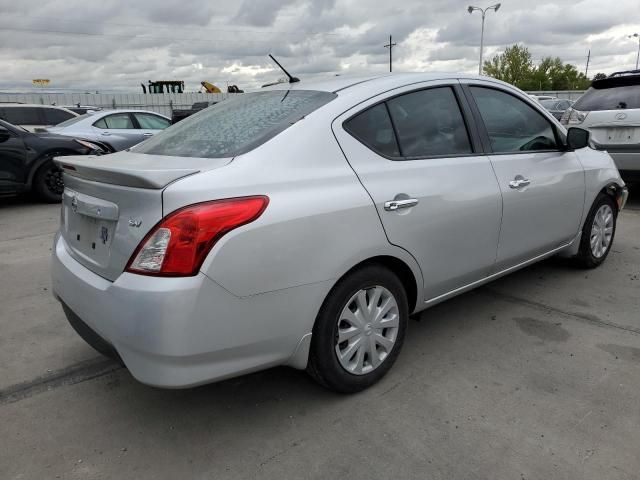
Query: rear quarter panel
[[319, 223]]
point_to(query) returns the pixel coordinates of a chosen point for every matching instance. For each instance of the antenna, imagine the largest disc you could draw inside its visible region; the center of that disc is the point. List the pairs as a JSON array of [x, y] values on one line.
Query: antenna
[[291, 78]]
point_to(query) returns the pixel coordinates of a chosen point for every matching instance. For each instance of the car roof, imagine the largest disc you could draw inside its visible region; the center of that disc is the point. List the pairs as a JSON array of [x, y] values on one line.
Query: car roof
[[32, 105], [380, 81]]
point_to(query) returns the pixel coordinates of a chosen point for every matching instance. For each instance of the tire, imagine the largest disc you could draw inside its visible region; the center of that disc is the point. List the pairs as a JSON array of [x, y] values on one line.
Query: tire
[[372, 342], [47, 182], [598, 229]]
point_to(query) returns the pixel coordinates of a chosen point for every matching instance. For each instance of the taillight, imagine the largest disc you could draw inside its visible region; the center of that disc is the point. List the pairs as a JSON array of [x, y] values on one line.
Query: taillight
[[178, 245], [573, 117]]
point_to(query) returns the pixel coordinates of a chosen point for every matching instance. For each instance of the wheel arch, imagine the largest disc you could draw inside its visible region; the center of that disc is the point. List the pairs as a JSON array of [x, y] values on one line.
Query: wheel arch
[[400, 268], [43, 158]]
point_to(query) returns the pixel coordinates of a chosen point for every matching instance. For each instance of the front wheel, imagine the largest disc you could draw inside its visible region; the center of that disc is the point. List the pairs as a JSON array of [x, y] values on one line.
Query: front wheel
[[47, 182], [598, 232], [359, 331]]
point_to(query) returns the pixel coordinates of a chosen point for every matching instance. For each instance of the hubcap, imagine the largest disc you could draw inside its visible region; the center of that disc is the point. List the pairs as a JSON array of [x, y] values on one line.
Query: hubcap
[[601, 231], [367, 330]]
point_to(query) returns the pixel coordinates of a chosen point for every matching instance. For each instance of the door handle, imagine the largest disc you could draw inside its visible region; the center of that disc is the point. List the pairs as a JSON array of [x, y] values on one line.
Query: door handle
[[393, 205], [147, 134], [519, 183], [106, 134]]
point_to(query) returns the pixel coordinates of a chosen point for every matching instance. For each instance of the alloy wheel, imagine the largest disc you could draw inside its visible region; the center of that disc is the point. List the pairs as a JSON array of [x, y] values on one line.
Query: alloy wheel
[[601, 231]]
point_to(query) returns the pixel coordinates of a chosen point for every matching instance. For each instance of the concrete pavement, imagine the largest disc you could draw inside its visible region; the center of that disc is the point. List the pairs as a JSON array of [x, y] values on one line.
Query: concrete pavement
[[535, 376]]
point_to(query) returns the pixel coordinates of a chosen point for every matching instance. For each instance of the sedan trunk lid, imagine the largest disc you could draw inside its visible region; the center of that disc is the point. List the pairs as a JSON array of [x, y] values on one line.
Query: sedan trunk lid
[[110, 202]]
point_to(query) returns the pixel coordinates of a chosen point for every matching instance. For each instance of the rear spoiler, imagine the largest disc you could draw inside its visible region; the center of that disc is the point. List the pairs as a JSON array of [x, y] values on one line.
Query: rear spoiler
[[618, 79], [133, 169]]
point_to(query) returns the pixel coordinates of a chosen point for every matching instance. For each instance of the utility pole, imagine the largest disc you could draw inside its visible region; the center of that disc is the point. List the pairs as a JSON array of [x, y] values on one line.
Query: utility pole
[[586, 70], [390, 47], [637, 56]]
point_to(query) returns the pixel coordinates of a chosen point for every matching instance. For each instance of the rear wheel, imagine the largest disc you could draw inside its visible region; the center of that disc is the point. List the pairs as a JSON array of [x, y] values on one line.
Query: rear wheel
[[598, 232], [47, 182], [359, 331]]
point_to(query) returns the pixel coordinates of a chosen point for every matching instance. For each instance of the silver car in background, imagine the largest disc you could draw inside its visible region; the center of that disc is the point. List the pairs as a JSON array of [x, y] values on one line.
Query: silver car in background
[[118, 129], [302, 224]]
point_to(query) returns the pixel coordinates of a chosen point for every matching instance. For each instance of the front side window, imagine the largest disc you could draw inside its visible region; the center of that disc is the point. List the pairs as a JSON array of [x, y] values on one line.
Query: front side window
[[429, 123], [148, 121], [236, 125], [373, 128], [116, 121], [512, 125]]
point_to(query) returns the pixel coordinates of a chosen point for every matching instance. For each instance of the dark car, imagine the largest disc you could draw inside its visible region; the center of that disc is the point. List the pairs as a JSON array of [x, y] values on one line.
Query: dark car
[[181, 114], [26, 160], [557, 106]]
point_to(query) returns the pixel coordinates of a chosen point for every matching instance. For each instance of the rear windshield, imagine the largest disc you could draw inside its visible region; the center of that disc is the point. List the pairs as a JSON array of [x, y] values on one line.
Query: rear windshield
[[236, 125], [609, 98]]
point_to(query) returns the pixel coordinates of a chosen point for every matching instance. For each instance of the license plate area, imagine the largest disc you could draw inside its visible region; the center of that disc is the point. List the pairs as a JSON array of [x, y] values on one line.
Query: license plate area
[[89, 226], [623, 135]]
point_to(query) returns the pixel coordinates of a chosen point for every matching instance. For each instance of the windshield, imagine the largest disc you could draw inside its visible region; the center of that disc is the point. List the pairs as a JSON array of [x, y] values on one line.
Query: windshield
[[609, 98], [548, 103], [236, 125], [71, 121]]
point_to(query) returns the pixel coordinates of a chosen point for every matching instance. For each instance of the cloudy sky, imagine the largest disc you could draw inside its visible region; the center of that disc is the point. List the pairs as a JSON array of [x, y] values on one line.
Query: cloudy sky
[[111, 45]]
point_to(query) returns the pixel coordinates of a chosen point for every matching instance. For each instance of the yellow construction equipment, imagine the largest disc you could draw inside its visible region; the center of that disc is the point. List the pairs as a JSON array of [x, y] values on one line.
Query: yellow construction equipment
[[210, 87]]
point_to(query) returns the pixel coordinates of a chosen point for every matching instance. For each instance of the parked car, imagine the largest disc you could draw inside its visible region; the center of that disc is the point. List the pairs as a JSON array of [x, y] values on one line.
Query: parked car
[[118, 129], [34, 117], [610, 110], [26, 161], [301, 225], [181, 114], [557, 107]]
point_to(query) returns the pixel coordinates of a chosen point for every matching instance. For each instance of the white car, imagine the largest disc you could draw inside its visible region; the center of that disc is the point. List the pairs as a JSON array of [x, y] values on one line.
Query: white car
[[610, 110], [34, 117]]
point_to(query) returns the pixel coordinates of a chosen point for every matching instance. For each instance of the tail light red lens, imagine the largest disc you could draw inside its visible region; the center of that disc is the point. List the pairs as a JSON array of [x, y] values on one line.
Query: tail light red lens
[[178, 245]]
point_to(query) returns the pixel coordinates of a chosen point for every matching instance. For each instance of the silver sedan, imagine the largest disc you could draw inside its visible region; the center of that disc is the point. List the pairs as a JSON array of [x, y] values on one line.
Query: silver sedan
[[302, 224], [118, 129]]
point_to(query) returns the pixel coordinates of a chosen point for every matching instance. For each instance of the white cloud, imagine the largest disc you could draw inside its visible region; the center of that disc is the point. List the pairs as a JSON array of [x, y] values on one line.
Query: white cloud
[[116, 44]]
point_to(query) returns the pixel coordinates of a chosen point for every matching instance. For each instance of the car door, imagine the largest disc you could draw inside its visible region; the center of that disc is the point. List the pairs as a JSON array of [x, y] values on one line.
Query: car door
[[150, 124], [542, 184], [29, 118], [436, 194], [118, 130], [12, 160]]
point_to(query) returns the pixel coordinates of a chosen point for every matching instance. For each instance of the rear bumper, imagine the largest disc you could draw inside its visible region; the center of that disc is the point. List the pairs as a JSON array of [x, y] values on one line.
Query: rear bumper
[[181, 332]]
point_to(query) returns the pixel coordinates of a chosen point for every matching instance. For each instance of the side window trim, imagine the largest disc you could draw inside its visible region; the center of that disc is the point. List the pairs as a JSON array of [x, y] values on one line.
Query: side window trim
[[483, 129], [134, 121], [473, 131]]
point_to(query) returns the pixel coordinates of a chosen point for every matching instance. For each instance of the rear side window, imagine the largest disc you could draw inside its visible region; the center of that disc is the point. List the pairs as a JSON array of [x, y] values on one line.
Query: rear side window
[[236, 125], [373, 128], [24, 115], [609, 99], [513, 125], [116, 121], [429, 123], [151, 122], [53, 116]]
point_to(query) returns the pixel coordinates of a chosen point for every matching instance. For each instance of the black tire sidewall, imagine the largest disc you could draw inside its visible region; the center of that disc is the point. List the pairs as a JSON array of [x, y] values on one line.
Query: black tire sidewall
[[323, 362], [585, 255], [40, 186]]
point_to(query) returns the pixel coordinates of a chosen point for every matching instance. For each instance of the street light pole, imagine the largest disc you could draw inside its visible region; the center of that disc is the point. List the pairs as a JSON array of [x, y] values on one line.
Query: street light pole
[[637, 35], [471, 9]]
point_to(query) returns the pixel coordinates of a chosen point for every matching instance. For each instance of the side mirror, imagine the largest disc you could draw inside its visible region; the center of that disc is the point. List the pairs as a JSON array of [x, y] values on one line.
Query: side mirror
[[577, 138], [4, 134]]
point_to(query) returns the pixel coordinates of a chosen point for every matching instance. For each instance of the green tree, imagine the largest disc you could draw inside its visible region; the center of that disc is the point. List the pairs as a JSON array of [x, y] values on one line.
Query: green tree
[[600, 76], [513, 66]]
